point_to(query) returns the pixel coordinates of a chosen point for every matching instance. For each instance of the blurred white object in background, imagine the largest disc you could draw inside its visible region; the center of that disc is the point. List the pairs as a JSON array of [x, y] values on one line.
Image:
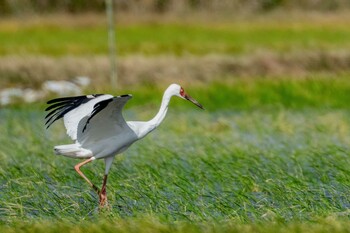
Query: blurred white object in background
[[82, 81], [11, 95], [61, 88], [7, 95]]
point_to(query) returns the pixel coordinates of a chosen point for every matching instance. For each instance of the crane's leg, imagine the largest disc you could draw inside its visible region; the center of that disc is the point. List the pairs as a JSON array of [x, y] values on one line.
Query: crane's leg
[[103, 193], [77, 168]]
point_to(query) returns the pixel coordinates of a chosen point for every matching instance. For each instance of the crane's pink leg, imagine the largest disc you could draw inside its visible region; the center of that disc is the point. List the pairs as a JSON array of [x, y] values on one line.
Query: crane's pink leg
[[77, 168], [103, 193]]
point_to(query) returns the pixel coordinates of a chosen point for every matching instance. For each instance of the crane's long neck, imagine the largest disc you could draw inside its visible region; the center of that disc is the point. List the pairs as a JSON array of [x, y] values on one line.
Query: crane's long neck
[[152, 124], [142, 128], [155, 122]]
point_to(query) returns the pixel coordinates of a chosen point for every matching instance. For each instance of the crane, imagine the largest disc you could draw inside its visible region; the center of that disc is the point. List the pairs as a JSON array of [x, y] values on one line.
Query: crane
[[96, 125]]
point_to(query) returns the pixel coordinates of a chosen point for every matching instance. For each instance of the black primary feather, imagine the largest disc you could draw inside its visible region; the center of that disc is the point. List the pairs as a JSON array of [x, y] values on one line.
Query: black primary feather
[[61, 106], [64, 99]]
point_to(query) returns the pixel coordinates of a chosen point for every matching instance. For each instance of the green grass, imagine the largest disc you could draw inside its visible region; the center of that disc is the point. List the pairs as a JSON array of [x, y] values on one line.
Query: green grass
[[169, 38], [255, 166], [319, 91], [154, 225], [269, 154]]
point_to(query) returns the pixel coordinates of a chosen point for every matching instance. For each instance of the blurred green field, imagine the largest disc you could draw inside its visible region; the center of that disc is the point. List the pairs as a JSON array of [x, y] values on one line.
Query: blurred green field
[[175, 38], [269, 154], [319, 91], [257, 164]]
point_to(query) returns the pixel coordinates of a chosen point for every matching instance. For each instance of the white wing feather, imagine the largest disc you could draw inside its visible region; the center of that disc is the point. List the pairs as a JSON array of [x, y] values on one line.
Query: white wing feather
[[108, 122], [71, 119]]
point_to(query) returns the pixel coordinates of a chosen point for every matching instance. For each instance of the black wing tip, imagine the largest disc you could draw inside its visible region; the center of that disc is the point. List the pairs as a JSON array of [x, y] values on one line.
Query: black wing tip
[[61, 106], [70, 98], [48, 125], [62, 99], [124, 96]]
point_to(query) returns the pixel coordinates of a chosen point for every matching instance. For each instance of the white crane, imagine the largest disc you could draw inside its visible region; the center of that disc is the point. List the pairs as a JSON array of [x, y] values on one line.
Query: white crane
[[96, 124]]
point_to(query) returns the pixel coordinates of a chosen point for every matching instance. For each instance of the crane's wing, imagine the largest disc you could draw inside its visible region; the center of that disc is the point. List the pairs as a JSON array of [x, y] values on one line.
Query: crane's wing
[[106, 120], [72, 110]]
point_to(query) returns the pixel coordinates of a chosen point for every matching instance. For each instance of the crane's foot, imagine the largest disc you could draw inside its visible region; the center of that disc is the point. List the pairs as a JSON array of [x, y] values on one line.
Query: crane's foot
[[103, 195], [103, 202], [103, 199]]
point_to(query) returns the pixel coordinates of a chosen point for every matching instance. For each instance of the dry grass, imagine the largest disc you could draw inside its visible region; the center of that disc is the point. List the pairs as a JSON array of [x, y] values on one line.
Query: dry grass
[[31, 71], [266, 60]]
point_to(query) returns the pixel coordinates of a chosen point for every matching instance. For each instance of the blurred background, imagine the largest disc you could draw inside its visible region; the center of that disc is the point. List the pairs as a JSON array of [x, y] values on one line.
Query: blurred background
[[168, 6], [272, 146], [61, 47]]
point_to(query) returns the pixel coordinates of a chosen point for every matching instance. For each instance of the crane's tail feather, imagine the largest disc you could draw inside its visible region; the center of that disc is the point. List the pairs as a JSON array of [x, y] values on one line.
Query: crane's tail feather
[[73, 151]]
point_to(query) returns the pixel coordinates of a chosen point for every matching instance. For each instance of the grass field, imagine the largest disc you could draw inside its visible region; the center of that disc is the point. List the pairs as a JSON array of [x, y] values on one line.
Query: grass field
[[237, 166], [269, 153], [180, 38]]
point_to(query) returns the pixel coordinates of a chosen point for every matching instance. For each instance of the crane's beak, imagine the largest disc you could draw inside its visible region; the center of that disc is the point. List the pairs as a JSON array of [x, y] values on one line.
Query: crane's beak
[[189, 98]]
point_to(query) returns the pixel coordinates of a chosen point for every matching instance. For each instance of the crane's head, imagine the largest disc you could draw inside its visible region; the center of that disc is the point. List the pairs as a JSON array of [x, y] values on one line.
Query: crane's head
[[180, 92]]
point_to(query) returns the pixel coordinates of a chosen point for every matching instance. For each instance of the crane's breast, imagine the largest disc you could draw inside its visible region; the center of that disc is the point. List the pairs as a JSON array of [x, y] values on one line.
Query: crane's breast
[[113, 145]]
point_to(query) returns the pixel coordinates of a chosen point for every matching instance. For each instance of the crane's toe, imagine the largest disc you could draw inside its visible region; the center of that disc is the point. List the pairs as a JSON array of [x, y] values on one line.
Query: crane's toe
[[103, 199]]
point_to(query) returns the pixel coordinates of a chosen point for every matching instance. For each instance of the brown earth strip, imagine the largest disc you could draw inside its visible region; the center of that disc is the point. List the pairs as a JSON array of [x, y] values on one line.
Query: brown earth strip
[[31, 71]]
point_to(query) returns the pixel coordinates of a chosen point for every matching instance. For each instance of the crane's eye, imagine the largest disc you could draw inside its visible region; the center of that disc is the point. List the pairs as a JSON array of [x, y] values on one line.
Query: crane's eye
[[182, 92]]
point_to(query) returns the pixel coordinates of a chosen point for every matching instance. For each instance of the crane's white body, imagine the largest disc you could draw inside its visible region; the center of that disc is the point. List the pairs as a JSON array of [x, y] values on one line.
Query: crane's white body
[[107, 133], [96, 124]]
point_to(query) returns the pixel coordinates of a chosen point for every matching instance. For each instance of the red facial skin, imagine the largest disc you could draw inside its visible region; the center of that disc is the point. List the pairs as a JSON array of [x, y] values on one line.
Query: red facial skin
[[182, 92]]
